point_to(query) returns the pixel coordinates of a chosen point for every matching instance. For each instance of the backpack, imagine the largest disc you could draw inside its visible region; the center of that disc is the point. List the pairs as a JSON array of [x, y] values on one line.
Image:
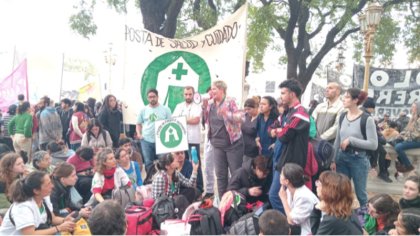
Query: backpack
[[206, 220], [139, 220], [163, 209], [363, 121], [324, 152], [103, 136], [246, 225], [232, 207], [125, 195]]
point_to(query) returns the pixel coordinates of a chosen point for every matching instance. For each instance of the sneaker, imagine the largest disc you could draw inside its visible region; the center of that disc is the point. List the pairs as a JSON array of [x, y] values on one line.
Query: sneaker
[[385, 178]]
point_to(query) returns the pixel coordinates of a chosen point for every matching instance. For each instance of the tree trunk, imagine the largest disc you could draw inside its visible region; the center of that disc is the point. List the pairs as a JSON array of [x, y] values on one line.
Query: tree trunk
[[160, 16]]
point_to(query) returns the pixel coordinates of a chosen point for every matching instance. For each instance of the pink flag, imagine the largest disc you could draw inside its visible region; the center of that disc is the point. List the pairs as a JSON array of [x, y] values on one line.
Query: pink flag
[[13, 85]]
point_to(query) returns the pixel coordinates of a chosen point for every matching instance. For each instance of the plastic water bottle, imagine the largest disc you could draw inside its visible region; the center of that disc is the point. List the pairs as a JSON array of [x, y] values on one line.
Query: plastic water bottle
[[194, 155]]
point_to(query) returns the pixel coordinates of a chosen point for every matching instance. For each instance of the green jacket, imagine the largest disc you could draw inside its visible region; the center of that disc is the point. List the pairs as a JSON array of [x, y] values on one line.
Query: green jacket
[[21, 124]]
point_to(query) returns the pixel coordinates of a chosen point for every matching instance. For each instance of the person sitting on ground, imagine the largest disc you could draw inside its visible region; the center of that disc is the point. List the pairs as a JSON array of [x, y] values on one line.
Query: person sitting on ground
[[108, 218], [253, 179], [59, 151], [382, 212], [41, 160], [30, 213], [108, 176], [11, 168], [186, 169], [131, 168], [134, 155], [84, 164], [168, 180], [407, 223], [297, 199], [333, 214], [272, 222], [411, 193], [96, 136], [64, 178]]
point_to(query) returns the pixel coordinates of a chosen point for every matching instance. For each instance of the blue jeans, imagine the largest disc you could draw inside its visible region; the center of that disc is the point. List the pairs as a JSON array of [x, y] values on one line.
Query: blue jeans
[[400, 148], [149, 152], [273, 194], [356, 167]]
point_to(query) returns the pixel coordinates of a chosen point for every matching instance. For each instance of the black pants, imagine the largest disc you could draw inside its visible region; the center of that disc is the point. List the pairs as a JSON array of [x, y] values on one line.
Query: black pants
[[382, 161], [83, 186]]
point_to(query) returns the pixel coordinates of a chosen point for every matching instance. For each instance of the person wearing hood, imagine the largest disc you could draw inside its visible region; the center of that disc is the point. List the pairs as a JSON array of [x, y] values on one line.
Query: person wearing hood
[[411, 140], [253, 179]]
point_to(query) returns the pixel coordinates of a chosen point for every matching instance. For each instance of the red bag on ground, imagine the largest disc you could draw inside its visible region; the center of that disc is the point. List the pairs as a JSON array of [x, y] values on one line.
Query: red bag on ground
[[139, 220]]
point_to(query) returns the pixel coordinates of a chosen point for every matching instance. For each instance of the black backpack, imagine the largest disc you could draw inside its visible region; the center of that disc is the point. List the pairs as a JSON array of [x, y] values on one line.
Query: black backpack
[[163, 209], [324, 152], [206, 221], [363, 121], [236, 211], [246, 225]]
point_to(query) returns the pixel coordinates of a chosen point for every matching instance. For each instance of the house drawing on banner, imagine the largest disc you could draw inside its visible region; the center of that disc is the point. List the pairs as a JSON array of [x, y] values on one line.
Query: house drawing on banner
[[177, 74], [171, 135]]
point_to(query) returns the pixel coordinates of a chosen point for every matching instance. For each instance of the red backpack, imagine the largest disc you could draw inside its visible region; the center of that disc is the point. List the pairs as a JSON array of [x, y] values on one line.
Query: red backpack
[[139, 220]]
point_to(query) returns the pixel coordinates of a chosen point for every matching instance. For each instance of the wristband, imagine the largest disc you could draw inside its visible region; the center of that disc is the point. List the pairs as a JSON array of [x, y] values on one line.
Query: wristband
[[56, 228]]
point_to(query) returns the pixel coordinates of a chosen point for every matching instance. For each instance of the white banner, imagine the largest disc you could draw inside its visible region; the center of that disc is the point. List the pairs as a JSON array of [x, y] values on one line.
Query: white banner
[[152, 61], [171, 135]]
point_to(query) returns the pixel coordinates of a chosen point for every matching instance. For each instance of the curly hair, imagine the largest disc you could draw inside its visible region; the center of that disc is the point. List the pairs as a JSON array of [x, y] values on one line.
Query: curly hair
[[101, 159], [337, 194]]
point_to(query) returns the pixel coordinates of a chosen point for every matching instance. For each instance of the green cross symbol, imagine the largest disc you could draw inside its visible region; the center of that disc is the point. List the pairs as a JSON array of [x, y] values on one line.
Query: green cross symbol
[[179, 72]]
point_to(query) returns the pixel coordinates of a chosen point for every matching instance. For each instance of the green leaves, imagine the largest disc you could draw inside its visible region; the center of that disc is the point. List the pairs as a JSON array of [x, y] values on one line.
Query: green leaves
[[82, 22], [259, 33]]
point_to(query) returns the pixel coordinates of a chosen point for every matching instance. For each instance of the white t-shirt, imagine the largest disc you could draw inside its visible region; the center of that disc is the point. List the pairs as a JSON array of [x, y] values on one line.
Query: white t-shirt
[[190, 111], [24, 214]]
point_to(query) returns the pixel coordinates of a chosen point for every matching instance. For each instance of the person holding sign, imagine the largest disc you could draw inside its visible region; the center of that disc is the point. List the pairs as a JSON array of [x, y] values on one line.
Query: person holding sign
[[145, 127], [192, 113]]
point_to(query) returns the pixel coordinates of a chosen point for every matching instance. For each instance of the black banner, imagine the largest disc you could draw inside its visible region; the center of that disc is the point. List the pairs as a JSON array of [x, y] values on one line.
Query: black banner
[[317, 93], [393, 90]]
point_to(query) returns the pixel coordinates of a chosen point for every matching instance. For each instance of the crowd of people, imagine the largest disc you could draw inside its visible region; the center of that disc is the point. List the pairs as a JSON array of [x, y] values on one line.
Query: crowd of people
[[58, 160]]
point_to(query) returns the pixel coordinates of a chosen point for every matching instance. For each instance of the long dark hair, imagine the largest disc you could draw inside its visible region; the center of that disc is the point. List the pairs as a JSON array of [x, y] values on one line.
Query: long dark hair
[[23, 189], [386, 206], [105, 105], [164, 161], [92, 123], [274, 112]]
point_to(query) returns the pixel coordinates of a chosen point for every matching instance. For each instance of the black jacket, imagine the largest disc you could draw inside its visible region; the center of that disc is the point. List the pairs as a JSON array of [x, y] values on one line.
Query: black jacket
[[245, 178], [294, 137], [111, 121], [60, 198], [331, 225]]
